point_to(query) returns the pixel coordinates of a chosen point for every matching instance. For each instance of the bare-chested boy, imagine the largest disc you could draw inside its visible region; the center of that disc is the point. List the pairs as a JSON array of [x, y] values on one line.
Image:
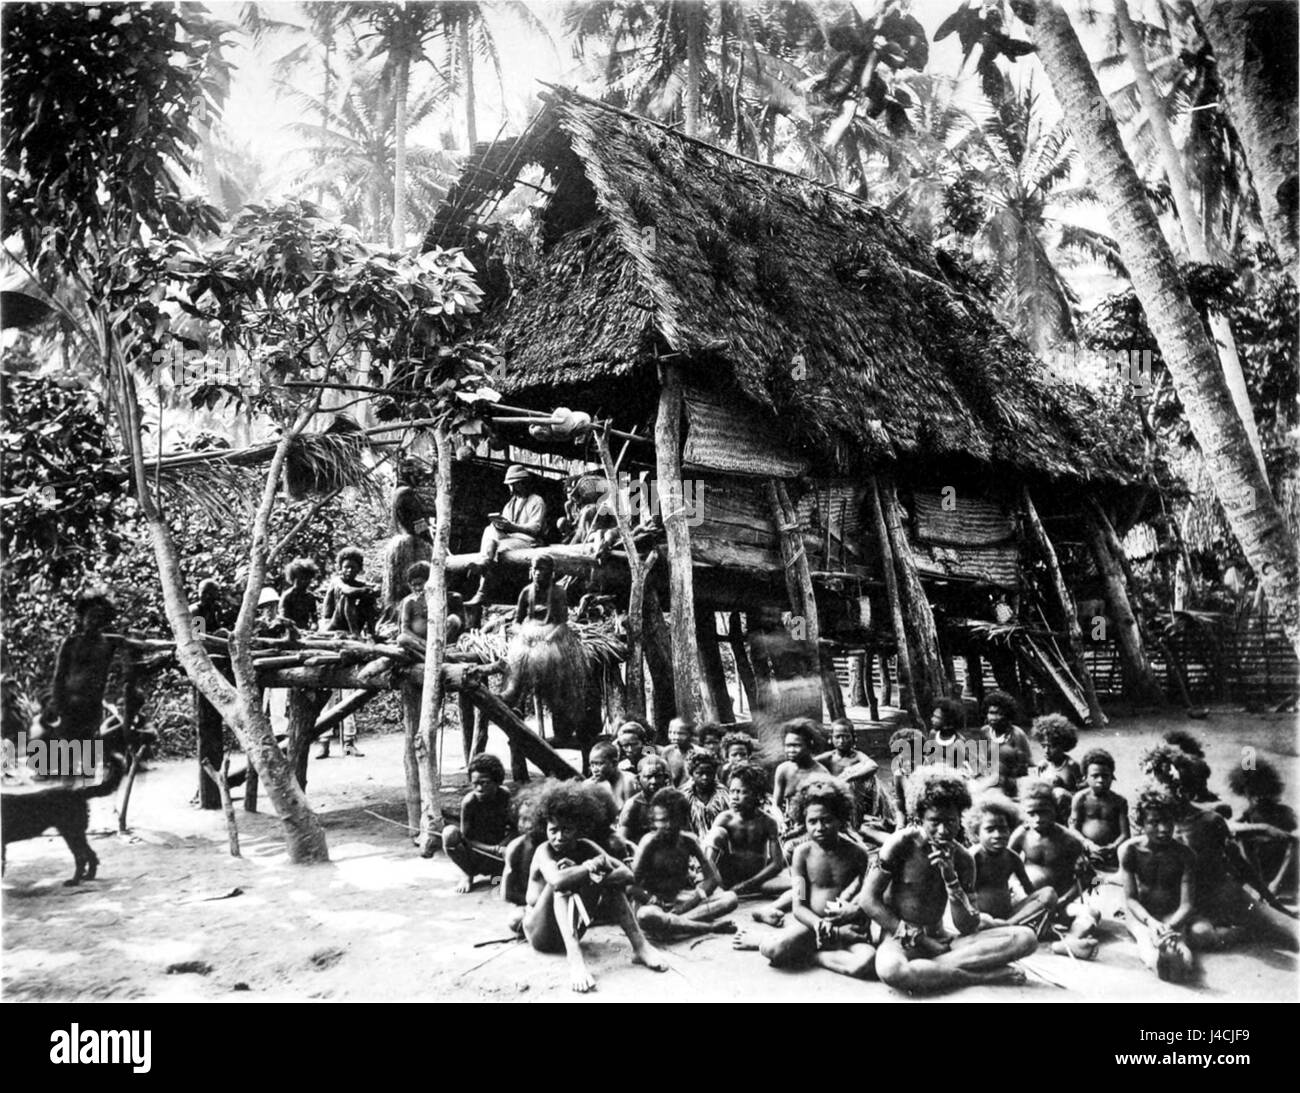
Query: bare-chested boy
[[518, 856], [669, 905], [800, 737], [854, 768], [989, 824], [830, 927], [1010, 752], [632, 747], [744, 844], [634, 821], [681, 741], [1158, 875], [1056, 857], [619, 784], [923, 871], [571, 880], [478, 845], [1098, 814], [946, 746], [1057, 769]]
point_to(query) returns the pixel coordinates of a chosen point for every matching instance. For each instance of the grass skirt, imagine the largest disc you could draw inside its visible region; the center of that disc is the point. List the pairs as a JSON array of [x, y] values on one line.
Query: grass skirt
[[551, 662]]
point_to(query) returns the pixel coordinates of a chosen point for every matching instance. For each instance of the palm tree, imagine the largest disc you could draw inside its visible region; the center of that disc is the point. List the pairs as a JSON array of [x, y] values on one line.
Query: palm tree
[[354, 160], [1238, 479]]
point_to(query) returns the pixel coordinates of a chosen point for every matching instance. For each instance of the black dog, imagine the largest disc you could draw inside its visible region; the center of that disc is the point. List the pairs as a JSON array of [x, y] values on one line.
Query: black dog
[[31, 813]]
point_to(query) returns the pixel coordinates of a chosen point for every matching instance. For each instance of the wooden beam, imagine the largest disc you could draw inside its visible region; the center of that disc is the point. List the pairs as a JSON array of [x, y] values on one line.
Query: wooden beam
[[715, 676], [929, 683], [352, 677], [1139, 680], [744, 670], [798, 576], [895, 605], [337, 713], [668, 467], [1056, 581], [534, 748]]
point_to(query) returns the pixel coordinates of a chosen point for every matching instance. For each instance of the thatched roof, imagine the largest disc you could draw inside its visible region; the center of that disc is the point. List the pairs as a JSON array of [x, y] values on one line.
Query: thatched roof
[[863, 344]]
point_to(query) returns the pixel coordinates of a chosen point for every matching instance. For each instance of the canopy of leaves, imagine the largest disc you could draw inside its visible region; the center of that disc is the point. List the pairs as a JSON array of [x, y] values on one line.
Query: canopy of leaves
[[60, 489], [97, 110]]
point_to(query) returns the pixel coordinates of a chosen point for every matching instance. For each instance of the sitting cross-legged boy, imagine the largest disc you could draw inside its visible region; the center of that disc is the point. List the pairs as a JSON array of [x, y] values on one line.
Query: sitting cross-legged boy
[[1098, 814], [946, 746], [1010, 753], [669, 905], [1056, 857], [1157, 871], [744, 844], [571, 880], [634, 821], [704, 797], [605, 775], [830, 928], [1267, 830], [737, 747], [478, 845], [921, 873], [800, 737], [855, 768], [991, 820], [518, 856], [681, 742], [1058, 770]]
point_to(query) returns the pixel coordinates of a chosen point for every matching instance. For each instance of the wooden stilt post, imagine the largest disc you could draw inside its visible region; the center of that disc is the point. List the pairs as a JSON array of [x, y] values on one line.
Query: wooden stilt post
[[411, 726], [830, 682], [208, 730], [1038, 533], [744, 670], [303, 706], [668, 460], [1139, 680], [250, 789], [857, 689], [714, 677], [869, 683], [659, 662], [928, 680], [887, 682], [895, 605]]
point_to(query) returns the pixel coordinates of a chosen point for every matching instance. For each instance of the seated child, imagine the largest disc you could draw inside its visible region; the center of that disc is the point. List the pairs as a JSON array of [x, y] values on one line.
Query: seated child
[[800, 738], [632, 747], [1058, 770], [710, 739], [845, 762], [571, 879], [1011, 754], [1188, 744], [681, 738], [921, 873], [946, 746], [907, 746], [744, 844], [737, 748], [297, 603], [350, 604], [989, 823], [634, 821], [478, 845], [619, 784], [1157, 873], [704, 797], [1056, 857], [413, 613], [669, 905], [827, 873], [519, 852], [1098, 814], [1267, 828]]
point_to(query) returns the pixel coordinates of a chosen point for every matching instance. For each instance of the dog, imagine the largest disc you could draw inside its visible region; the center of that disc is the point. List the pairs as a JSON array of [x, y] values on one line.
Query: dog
[[31, 813]]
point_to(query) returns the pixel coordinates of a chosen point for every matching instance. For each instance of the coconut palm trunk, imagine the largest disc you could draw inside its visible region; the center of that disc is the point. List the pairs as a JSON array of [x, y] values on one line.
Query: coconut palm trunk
[[1238, 480], [467, 61], [695, 17], [1190, 220], [1255, 51], [400, 78]]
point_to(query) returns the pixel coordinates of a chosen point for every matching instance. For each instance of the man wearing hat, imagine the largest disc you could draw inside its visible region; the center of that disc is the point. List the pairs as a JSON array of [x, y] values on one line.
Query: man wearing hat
[[520, 524]]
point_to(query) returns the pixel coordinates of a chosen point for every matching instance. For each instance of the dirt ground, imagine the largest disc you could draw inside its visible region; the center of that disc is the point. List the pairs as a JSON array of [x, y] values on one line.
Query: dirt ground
[[173, 917]]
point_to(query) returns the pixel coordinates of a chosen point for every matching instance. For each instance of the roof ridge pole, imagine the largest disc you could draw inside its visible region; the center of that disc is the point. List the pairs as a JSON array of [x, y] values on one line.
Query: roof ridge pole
[[1096, 718], [929, 681], [668, 466], [895, 604]]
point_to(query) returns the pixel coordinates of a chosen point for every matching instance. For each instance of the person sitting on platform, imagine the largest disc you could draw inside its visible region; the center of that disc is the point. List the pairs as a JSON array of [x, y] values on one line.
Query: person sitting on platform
[[212, 607], [921, 873], [520, 525], [478, 845], [572, 881], [413, 613], [298, 602]]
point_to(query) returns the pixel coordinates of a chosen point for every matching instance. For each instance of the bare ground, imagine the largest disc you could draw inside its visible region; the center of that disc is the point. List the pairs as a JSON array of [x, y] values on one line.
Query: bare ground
[[173, 917]]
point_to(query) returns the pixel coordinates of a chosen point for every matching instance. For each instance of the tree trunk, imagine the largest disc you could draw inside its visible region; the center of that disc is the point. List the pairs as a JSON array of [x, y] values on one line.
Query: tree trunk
[[695, 31], [1188, 218], [1139, 681], [399, 154], [895, 606], [744, 670], [928, 680], [467, 60], [1038, 533], [1238, 479], [659, 661], [1255, 51], [686, 658], [208, 730], [410, 760], [435, 598], [714, 675]]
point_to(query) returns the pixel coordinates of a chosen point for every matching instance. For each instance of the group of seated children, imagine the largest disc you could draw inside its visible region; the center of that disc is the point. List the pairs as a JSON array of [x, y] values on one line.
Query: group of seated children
[[908, 878]]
